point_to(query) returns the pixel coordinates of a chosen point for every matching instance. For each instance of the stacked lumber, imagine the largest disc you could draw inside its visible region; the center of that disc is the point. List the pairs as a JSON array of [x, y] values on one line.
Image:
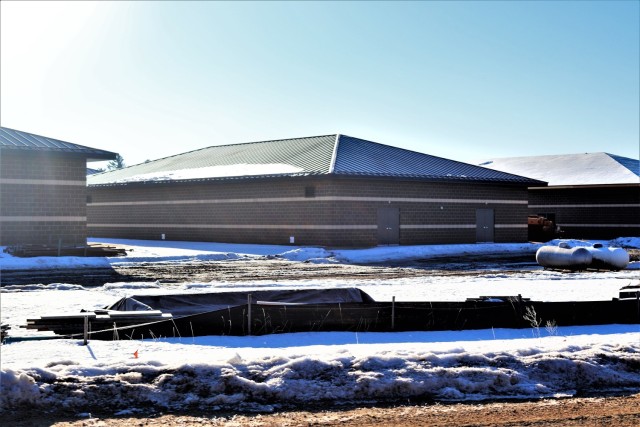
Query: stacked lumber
[[91, 250], [630, 291], [98, 321]]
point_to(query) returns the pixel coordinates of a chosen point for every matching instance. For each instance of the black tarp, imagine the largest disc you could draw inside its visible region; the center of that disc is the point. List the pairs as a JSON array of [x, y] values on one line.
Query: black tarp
[[187, 304]]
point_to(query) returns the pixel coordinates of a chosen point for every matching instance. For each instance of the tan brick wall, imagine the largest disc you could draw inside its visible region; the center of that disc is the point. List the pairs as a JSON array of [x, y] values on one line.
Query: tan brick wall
[[42, 198], [343, 212]]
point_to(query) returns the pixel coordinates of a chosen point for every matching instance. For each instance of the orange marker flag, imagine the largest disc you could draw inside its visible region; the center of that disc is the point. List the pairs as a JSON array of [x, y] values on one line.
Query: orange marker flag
[[135, 354]]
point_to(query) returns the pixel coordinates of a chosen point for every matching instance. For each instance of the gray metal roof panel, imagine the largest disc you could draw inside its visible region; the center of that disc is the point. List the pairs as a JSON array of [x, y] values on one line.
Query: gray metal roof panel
[[632, 164], [366, 158], [18, 140]]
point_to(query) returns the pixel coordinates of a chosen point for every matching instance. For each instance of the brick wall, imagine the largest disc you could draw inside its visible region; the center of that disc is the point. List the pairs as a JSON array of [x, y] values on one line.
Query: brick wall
[[42, 198], [591, 212], [324, 211]]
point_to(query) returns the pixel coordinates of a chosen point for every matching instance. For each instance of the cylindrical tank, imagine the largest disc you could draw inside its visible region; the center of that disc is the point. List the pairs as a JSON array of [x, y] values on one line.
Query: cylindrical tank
[[605, 258], [564, 257]]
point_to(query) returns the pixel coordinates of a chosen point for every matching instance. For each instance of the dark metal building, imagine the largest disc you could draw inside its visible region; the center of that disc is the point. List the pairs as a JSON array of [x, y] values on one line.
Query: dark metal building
[[43, 189], [331, 190]]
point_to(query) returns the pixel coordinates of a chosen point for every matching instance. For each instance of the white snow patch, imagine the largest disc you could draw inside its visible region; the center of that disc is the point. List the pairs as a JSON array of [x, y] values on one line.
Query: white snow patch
[[223, 171]]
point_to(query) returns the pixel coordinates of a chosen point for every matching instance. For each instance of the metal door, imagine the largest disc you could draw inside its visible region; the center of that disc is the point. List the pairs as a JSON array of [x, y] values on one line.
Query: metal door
[[484, 225], [388, 226]]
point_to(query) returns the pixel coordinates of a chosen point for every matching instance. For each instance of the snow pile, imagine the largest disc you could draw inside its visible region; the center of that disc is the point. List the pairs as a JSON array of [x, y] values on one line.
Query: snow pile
[[626, 242], [40, 287], [78, 377], [9, 262], [315, 255], [408, 253]]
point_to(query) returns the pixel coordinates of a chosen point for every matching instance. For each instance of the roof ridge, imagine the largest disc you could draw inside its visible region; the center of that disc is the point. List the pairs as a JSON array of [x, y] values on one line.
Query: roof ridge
[[334, 155]]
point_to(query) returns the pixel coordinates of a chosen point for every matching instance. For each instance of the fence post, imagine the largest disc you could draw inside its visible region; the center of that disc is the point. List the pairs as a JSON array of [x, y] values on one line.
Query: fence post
[[249, 313], [86, 329], [393, 312], [520, 320], [59, 245]]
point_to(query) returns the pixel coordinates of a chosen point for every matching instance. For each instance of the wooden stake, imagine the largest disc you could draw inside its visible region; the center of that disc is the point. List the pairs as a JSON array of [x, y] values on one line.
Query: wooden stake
[[249, 313], [393, 312], [86, 329]]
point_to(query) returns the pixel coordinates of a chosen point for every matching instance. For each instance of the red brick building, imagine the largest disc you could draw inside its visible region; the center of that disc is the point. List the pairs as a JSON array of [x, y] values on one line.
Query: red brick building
[[331, 190], [43, 189]]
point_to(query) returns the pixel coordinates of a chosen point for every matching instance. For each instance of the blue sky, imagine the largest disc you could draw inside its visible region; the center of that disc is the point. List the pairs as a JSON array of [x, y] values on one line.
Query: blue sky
[[462, 80]]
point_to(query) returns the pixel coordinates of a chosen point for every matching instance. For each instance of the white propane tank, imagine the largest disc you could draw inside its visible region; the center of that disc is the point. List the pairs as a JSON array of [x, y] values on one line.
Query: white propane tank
[[605, 258], [564, 257]]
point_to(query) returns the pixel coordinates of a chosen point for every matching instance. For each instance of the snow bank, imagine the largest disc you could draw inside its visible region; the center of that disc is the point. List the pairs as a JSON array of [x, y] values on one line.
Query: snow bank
[[315, 255], [179, 376], [625, 242], [408, 253]]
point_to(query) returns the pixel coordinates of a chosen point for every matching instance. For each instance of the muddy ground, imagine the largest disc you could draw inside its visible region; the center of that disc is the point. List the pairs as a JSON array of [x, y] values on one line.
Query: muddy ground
[[621, 411], [264, 269]]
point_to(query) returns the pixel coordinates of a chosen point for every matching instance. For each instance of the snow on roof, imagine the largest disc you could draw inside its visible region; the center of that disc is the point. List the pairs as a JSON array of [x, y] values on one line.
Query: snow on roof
[[226, 171], [572, 169]]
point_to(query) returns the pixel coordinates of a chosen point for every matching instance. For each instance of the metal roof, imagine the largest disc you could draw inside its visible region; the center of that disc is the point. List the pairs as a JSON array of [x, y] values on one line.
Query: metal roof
[[17, 140], [632, 164], [572, 169], [337, 155], [360, 157]]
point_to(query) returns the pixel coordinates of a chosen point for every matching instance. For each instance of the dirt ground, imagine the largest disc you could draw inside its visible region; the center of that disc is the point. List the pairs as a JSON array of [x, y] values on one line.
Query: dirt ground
[[259, 269], [621, 411]]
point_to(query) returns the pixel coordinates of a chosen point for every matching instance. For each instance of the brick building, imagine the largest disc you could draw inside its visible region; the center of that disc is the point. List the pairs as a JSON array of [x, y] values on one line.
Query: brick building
[[331, 190], [43, 189], [590, 195]]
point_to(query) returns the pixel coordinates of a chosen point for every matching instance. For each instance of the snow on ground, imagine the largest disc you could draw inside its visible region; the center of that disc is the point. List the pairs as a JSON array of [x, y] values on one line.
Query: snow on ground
[[265, 373], [176, 251], [268, 373]]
